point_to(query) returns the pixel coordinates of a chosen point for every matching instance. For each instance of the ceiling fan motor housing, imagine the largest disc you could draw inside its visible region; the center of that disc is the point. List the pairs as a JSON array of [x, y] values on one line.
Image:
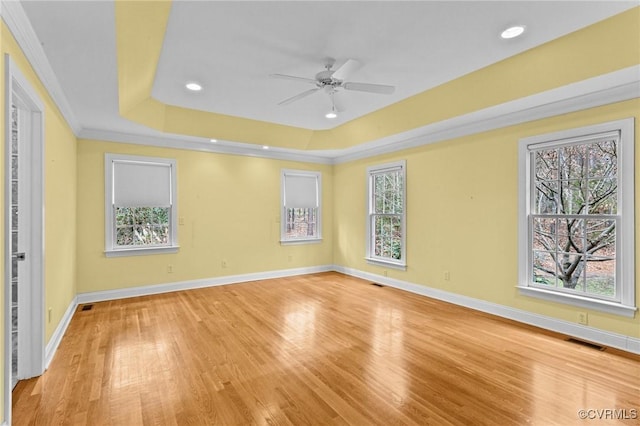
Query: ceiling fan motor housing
[[325, 78]]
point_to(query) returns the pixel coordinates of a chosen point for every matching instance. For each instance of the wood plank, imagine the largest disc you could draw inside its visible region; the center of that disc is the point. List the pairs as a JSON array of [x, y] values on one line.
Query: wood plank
[[317, 349]]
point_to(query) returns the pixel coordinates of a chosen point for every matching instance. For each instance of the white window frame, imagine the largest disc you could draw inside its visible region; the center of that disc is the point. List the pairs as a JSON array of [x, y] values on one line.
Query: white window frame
[[284, 240], [370, 256], [111, 250], [625, 234]]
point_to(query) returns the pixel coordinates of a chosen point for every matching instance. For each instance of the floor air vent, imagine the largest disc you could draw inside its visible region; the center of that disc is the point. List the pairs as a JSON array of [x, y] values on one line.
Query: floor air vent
[[87, 307], [587, 344], [377, 285]]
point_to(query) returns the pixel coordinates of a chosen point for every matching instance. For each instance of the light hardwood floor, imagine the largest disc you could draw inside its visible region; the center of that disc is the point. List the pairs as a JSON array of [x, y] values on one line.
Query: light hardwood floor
[[318, 349]]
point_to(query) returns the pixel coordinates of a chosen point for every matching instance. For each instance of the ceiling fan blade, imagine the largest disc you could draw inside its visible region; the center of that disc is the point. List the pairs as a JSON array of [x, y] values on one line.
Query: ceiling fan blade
[[368, 87], [293, 77], [346, 69], [298, 96]]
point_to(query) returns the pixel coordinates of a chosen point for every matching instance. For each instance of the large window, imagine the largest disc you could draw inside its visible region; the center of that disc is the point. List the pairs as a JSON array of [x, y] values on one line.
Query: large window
[[386, 219], [140, 205], [301, 212], [577, 226]]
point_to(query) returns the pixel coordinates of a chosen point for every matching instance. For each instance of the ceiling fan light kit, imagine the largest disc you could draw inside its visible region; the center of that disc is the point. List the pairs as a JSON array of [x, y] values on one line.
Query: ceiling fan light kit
[[333, 81]]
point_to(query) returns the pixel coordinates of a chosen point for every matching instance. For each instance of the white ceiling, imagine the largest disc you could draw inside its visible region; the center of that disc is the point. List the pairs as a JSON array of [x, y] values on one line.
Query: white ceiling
[[232, 47]]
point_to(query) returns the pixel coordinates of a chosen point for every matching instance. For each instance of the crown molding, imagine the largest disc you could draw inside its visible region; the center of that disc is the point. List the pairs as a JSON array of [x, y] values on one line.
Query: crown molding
[[169, 140], [16, 19], [605, 89], [617, 86]]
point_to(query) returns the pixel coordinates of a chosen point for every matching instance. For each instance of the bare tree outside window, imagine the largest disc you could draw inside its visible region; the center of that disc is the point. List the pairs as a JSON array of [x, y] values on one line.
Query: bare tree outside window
[[574, 222]]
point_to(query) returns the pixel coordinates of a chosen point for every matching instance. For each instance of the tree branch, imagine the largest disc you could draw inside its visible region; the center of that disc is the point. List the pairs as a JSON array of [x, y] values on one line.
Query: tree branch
[[540, 268]]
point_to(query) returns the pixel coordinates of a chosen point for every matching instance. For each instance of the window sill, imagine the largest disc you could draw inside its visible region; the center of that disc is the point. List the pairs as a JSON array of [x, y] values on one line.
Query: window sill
[[141, 251], [583, 302], [387, 263], [300, 241]]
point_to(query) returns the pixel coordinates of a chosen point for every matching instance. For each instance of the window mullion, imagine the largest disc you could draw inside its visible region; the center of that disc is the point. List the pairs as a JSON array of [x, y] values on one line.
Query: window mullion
[[586, 231], [385, 225]]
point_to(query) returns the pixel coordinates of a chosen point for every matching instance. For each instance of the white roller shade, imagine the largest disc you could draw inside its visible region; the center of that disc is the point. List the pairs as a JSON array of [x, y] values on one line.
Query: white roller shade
[[300, 191], [141, 184]]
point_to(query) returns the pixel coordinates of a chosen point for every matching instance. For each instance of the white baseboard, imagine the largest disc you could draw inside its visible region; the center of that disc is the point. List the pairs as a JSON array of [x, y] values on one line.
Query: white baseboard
[[56, 338], [101, 296], [602, 337]]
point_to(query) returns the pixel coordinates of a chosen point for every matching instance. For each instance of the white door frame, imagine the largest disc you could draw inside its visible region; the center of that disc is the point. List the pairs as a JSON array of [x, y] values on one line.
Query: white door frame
[[31, 326]]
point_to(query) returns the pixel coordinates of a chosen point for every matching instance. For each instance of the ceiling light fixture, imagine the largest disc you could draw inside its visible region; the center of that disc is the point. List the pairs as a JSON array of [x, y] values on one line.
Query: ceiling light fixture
[[213, 140], [513, 32], [194, 87], [265, 147]]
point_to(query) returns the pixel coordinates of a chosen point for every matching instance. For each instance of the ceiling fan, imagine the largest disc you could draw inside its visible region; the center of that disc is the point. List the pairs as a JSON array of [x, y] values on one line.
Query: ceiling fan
[[333, 80]]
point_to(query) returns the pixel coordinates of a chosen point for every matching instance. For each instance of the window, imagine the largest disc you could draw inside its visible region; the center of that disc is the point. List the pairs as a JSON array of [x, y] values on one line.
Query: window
[[576, 221], [386, 219], [301, 194], [140, 205]]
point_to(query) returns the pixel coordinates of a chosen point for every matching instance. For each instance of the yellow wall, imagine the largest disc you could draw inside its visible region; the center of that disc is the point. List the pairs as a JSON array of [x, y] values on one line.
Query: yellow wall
[[462, 194], [230, 207], [606, 46], [60, 197], [462, 202]]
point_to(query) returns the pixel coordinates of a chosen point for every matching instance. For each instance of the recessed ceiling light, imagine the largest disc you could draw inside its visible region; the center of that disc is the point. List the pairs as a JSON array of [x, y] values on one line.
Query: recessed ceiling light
[[195, 87], [265, 147], [513, 32]]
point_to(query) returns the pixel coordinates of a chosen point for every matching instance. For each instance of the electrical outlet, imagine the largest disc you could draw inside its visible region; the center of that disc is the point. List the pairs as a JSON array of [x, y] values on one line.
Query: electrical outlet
[[583, 318], [169, 269], [447, 276], [384, 272], [181, 221]]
